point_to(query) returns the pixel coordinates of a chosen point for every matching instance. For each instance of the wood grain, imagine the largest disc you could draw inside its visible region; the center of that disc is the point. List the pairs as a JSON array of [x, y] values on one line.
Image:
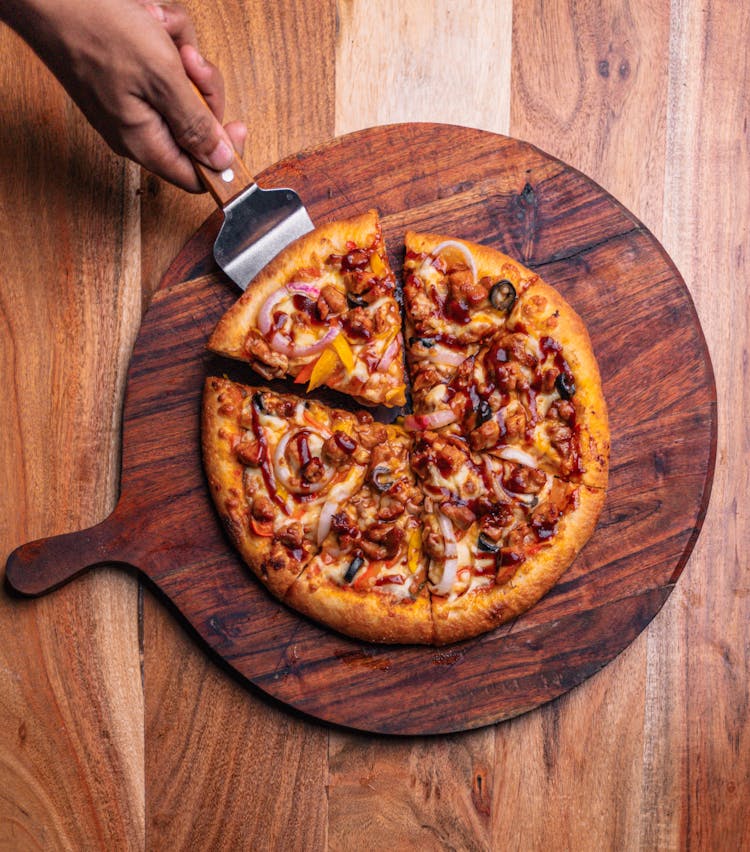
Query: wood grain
[[586, 104], [252, 774], [702, 650], [447, 65], [651, 752], [71, 704]]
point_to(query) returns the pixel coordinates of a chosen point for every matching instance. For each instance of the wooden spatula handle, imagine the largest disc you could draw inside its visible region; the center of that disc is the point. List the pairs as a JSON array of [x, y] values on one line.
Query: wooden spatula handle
[[224, 186]]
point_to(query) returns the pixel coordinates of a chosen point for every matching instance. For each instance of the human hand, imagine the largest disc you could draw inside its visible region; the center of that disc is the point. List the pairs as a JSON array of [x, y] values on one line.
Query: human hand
[[131, 67]]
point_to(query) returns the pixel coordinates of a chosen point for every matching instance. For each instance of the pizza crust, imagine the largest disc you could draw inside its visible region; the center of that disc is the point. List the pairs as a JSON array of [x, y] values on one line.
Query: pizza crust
[[220, 431], [373, 617], [543, 311]]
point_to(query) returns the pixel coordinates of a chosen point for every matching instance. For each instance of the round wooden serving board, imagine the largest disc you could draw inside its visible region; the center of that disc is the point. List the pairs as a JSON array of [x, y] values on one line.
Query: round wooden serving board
[[657, 380]]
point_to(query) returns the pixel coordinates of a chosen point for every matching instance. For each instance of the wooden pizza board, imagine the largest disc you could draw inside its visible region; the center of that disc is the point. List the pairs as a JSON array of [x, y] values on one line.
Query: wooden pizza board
[[658, 383]]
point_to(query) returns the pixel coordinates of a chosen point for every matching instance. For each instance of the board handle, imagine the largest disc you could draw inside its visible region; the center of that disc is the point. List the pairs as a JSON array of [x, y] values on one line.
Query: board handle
[[40, 566]]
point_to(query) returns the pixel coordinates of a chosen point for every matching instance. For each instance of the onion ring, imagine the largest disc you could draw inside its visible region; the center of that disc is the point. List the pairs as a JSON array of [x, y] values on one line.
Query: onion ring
[[284, 347], [420, 422], [281, 470], [461, 248], [265, 314]]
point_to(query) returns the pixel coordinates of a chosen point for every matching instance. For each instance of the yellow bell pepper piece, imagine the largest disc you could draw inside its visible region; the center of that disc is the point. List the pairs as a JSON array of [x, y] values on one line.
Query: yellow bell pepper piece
[[324, 367], [344, 351], [414, 548], [396, 396], [376, 264]]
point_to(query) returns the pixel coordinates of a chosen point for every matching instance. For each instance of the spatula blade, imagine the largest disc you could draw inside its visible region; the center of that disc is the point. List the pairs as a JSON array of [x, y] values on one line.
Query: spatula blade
[[258, 224]]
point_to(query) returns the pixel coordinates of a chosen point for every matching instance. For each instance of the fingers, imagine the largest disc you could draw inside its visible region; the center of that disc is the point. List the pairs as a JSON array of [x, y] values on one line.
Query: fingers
[[176, 21], [206, 77], [237, 132]]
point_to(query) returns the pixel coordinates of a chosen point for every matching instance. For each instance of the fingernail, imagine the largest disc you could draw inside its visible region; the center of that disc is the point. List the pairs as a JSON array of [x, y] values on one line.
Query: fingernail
[[157, 12], [221, 156]]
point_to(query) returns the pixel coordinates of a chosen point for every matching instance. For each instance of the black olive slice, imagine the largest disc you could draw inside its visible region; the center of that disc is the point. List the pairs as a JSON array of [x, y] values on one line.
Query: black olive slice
[[427, 342], [503, 295], [484, 412], [381, 478], [483, 543], [354, 566], [355, 300], [565, 385], [258, 402]]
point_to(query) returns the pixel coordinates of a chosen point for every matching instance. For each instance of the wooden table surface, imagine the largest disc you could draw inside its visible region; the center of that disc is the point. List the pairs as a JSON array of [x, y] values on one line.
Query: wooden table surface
[[117, 730]]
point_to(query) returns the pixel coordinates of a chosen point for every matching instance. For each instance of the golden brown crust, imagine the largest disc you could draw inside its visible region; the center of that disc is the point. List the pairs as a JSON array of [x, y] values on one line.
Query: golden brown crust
[[543, 311], [482, 610], [371, 616], [220, 431]]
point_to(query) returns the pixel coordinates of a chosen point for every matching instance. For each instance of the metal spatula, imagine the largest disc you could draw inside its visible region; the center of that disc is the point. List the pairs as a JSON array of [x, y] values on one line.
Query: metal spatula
[[258, 223]]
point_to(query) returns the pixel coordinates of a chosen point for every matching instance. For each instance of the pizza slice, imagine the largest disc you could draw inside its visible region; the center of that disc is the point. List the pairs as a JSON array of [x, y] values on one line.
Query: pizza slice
[[325, 312], [276, 465], [369, 580], [530, 391], [455, 294], [498, 534]]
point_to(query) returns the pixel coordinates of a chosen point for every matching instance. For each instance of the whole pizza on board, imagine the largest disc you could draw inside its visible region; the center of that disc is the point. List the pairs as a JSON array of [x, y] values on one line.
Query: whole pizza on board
[[461, 514]]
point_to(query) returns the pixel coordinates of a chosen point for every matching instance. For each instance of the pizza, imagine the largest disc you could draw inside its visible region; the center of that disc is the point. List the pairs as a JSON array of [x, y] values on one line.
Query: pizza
[[463, 513], [324, 312]]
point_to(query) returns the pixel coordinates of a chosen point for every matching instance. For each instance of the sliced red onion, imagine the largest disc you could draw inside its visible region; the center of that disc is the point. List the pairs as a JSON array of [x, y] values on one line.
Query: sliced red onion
[[280, 344], [462, 249], [388, 355], [450, 568], [338, 495], [513, 454], [449, 537], [302, 287], [443, 356], [435, 420], [265, 315], [492, 475], [326, 516], [281, 469]]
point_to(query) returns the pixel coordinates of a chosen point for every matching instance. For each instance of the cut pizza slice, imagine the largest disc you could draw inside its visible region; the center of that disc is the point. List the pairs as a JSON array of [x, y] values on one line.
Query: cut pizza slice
[[455, 294], [275, 466], [325, 312], [369, 579], [498, 534], [510, 558], [530, 391]]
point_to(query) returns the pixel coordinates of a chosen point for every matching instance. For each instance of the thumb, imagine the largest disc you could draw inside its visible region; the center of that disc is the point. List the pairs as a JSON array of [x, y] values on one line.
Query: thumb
[[194, 127]]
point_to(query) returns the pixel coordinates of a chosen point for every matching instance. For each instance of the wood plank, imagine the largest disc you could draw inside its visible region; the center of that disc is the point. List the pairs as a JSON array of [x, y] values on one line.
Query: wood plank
[[447, 64], [424, 75], [212, 747], [604, 70], [71, 701], [697, 766], [426, 794]]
